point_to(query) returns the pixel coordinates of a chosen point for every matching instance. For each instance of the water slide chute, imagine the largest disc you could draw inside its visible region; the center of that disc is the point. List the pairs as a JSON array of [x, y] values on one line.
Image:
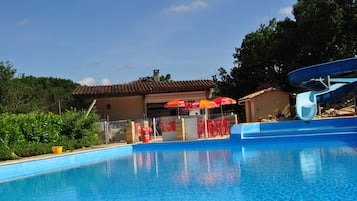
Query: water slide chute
[[306, 102]]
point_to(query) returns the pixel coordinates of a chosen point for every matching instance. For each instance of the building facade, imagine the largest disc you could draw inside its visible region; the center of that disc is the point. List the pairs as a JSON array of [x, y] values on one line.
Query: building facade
[[142, 98]]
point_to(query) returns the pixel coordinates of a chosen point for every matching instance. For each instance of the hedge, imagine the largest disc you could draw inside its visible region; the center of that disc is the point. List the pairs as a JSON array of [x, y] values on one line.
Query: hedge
[[31, 134]]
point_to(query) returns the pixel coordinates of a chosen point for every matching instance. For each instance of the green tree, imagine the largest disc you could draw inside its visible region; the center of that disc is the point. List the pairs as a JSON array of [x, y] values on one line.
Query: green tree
[[255, 67], [25, 94], [7, 71], [322, 31], [162, 78]]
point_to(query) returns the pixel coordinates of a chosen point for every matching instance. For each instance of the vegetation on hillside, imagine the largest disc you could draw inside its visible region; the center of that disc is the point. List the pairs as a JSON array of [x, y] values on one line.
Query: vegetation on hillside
[[24, 94], [37, 113]]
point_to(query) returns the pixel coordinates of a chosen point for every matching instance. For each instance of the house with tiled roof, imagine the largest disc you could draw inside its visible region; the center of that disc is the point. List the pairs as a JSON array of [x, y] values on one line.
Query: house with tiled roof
[[269, 101], [143, 97]]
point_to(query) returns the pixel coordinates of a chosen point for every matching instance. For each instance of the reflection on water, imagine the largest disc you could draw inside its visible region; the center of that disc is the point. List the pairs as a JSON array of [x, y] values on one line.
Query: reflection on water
[[201, 167], [310, 163], [264, 172]]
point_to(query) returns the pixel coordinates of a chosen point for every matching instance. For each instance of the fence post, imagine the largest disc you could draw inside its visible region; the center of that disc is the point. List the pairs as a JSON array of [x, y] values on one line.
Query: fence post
[[154, 128], [180, 129], [106, 132], [130, 132]]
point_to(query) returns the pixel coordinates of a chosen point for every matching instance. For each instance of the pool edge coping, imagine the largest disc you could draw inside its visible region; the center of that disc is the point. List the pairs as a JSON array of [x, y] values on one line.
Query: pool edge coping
[[66, 153]]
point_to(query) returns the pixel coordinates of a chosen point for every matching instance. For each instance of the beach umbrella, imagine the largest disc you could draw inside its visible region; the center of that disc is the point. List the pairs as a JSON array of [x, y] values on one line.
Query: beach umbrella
[[177, 103], [224, 101], [204, 104], [201, 104]]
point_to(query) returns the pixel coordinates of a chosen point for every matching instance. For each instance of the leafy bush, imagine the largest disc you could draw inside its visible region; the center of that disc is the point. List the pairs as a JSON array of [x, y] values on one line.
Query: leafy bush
[[6, 153], [32, 149], [41, 127], [81, 128], [36, 132], [10, 132], [68, 143]]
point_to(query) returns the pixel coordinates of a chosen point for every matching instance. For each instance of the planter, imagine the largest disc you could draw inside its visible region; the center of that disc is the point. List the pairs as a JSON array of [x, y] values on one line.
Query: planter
[[57, 149]]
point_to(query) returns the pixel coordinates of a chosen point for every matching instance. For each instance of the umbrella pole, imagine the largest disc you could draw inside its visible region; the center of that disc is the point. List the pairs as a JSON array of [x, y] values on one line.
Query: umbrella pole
[[206, 129], [222, 126]]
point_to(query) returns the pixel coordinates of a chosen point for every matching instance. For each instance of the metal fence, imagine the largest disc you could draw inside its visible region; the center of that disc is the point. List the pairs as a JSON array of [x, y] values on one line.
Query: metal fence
[[216, 125], [113, 131]]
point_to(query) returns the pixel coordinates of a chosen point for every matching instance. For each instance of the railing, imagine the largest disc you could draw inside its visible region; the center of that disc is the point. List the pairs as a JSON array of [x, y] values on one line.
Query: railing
[[215, 127], [114, 131]]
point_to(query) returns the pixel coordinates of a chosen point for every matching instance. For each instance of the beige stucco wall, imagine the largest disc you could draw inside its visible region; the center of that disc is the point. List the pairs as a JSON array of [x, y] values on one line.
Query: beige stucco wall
[[166, 97], [134, 107], [267, 103], [121, 108]]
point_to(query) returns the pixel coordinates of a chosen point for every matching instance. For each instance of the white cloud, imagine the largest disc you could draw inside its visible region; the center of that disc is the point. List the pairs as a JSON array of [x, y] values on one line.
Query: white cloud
[[187, 7], [286, 11], [88, 81], [106, 81]]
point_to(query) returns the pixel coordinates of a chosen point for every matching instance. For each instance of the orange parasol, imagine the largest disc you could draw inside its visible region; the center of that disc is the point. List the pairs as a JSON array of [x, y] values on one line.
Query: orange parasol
[[204, 104], [177, 103]]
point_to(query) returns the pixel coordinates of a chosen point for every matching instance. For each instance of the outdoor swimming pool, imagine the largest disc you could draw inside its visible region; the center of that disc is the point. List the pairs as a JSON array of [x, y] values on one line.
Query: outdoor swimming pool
[[314, 168]]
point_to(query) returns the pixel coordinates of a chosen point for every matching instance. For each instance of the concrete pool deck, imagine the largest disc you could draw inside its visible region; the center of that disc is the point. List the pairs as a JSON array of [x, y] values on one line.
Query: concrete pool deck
[[92, 148]]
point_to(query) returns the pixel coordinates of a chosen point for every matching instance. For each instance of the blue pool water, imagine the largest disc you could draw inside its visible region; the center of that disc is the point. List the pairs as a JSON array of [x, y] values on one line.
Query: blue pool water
[[310, 169]]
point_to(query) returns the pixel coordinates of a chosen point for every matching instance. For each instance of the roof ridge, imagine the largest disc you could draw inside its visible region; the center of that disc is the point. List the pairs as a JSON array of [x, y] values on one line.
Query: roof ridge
[[142, 87]]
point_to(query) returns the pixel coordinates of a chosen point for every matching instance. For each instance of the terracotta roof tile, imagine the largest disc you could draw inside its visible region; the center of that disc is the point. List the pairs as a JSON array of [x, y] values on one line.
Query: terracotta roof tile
[[143, 87], [255, 94]]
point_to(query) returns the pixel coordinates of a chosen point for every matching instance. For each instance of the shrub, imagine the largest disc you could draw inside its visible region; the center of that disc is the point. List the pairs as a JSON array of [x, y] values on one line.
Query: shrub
[[81, 128], [35, 133], [10, 132], [32, 149], [41, 127], [6, 153], [68, 143]]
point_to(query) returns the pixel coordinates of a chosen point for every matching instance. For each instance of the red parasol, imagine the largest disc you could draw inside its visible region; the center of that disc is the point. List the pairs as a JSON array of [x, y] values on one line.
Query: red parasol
[[224, 101]]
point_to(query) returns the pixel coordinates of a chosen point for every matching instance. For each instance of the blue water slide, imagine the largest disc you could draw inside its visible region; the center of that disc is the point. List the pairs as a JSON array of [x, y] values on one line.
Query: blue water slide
[[306, 102], [306, 107], [300, 76]]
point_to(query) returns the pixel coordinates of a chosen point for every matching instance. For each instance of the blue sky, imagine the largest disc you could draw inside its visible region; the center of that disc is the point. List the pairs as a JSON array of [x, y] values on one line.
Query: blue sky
[[96, 42]]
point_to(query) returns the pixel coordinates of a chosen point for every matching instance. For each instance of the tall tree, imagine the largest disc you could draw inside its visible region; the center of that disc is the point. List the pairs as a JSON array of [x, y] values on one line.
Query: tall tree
[[7, 71], [255, 66], [24, 94], [322, 31]]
